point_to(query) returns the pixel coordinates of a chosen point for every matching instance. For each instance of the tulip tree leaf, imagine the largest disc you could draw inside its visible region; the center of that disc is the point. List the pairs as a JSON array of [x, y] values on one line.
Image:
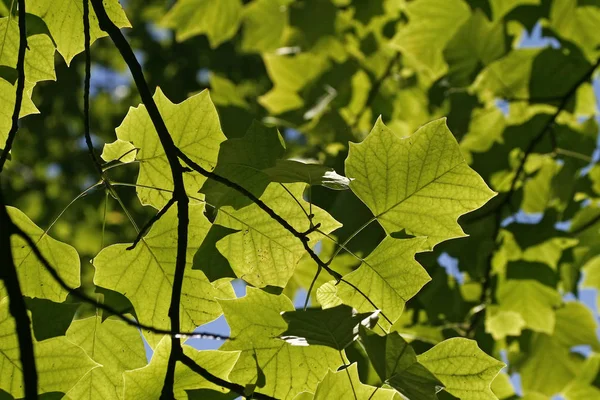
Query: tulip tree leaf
[[333, 327], [419, 183], [7, 104], [244, 161], [256, 323], [119, 150], [118, 347], [58, 14], [219, 20], [431, 25], [34, 278], [262, 252], [389, 276], [396, 364], [145, 275], [39, 56], [60, 364], [194, 126], [532, 300], [465, 370]]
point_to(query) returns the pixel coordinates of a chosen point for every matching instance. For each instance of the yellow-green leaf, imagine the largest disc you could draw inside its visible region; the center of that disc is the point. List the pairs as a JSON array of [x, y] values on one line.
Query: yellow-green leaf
[[420, 183], [64, 19], [219, 20], [465, 370]]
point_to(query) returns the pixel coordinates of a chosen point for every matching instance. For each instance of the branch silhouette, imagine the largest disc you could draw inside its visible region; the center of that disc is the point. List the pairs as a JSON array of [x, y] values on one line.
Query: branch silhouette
[[12, 133], [8, 273]]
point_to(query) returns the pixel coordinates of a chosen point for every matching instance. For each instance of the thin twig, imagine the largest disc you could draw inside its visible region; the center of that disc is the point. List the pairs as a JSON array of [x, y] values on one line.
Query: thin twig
[[12, 133], [17, 308], [86, 88], [151, 222]]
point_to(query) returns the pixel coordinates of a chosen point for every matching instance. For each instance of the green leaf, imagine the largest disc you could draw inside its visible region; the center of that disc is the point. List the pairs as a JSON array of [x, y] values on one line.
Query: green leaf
[[576, 21], [39, 55], [147, 382], [58, 14], [327, 295], [389, 276], [34, 279], [289, 75], [264, 23], [550, 365], [465, 370], [7, 105], [255, 321], [419, 183], [500, 323], [119, 150], [346, 384], [501, 7], [208, 260], [60, 364], [218, 20], [113, 344], [583, 386], [531, 299], [263, 252], [478, 42], [244, 161], [145, 275], [333, 327], [50, 319], [396, 364], [431, 25], [195, 129]]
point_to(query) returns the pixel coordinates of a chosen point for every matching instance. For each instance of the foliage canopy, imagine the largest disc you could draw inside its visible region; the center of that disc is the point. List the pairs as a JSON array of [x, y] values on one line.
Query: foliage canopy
[[424, 172]]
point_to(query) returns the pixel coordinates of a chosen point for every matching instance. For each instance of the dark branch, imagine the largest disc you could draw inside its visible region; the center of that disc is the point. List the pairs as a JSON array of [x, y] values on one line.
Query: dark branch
[[17, 308], [20, 85], [86, 89], [179, 193], [239, 389], [151, 222]]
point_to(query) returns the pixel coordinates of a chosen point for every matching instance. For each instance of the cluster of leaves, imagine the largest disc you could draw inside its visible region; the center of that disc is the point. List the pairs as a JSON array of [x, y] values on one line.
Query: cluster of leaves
[[337, 149]]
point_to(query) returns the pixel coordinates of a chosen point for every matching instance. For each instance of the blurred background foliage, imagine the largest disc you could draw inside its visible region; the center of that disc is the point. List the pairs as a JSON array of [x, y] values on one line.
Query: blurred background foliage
[[322, 72]]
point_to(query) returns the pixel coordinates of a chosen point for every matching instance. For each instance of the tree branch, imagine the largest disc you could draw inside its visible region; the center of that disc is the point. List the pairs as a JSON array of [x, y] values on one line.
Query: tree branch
[[151, 222], [17, 307], [20, 85], [179, 193], [86, 88]]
